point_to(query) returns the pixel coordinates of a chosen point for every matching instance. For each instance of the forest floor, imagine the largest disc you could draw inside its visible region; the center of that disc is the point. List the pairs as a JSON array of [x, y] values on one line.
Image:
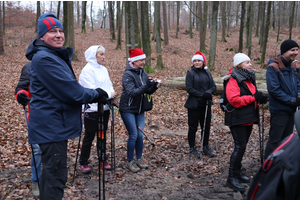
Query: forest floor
[[172, 174]]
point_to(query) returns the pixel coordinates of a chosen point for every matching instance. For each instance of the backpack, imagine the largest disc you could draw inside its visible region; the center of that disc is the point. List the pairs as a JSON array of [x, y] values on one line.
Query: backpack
[[223, 99], [279, 176]]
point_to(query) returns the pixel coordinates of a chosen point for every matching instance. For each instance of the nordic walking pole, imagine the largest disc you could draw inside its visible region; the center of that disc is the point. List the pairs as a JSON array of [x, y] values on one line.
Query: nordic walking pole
[[260, 139], [112, 129], [262, 131], [213, 120], [33, 156], [203, 130], [146, 136], [101, 148], [86, 106]]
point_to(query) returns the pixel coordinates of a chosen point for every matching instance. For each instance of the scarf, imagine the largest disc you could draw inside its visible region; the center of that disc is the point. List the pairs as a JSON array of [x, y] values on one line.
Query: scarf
[[243, 74]]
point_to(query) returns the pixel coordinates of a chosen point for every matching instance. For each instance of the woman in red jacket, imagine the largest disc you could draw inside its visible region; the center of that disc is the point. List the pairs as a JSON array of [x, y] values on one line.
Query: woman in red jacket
[[241, 114]]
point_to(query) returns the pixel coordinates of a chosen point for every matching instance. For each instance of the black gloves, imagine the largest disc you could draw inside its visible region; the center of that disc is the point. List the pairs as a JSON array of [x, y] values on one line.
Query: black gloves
[[207, 96], [102, 96], [23, 99], [297, 101], [258, 96], [150, 82], [264, 99]]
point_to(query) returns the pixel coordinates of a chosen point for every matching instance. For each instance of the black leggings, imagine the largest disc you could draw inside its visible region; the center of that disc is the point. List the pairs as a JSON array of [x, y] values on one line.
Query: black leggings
[[194, 116], [240, 136]]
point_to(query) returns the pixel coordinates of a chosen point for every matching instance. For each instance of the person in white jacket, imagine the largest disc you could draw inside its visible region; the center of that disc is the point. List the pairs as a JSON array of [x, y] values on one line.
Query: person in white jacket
[[94, 75]]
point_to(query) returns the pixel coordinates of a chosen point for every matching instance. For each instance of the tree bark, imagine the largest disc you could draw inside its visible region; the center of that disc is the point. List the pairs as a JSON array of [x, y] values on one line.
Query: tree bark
[[83, 17], [119, 17], [58, 9], [78, 12], [159, 61], [146, 36], [265, 40], [262, 25], [1, 33], [91, 15], [178, 15], [38, 14], [191, 25], [111, 20], [250, 28], [242, 26], [166, 36], [131, 24], [258, 20], [292, 10], [279, 17], [213, 36], [205, 11], [3, 17], [223, 9], [201, 28]]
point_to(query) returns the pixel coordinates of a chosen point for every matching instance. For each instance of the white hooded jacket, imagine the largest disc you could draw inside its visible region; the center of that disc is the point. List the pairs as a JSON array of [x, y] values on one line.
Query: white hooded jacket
[[94, 75]]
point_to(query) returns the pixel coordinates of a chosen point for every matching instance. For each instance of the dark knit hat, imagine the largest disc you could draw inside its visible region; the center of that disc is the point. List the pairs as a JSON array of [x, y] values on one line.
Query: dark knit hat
[[287, 45], [47, 22]]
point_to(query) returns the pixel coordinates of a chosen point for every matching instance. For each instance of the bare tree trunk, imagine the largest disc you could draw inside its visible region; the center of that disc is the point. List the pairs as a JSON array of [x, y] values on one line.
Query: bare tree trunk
[[146, 36], [279, 17], [111, 20], [169, 15], [191, 25], [274, 14], [250, 28], [292, 10], [262, 26], [159, 61], [58, 9], [258, 19], [83, 17], [242, 26], [178, 15], [223, 9], [213, 36], [119, 16], [91, 15], [3, 17], [247, 25], [205, 11], [78, 12], [263, 54], [166, 36], [237, 13], [1, 33], [38, 14], [201, 28], [65, 21]]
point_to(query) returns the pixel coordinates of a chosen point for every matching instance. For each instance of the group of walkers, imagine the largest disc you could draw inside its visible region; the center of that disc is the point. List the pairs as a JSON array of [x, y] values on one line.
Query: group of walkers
[[49, 86]]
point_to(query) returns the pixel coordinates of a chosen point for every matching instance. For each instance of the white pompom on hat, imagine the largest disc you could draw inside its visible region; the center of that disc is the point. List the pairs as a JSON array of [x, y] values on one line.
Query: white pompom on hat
[[199, 56], [136, 54], [239, 58]]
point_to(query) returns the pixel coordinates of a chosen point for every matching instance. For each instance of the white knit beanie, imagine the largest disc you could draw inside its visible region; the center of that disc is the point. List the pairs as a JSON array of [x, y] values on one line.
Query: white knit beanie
[[239, 58]]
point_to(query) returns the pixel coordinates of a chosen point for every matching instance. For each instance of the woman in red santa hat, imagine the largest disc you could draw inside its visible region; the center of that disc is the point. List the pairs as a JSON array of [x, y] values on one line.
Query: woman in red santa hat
[[135, 83], [200, 86]]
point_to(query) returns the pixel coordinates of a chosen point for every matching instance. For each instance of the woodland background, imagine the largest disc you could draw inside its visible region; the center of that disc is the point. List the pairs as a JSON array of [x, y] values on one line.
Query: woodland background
[[169, 33]]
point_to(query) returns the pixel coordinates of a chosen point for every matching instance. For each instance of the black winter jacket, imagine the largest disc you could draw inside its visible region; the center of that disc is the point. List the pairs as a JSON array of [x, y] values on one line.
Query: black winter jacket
[[134, 86], [198, 82], [24, 81]]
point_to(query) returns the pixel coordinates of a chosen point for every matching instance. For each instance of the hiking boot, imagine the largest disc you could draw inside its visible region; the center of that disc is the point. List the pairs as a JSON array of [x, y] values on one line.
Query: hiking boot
[[234, 183], [85, 169], [243, 178], [132, 166], [193, 152], [106, 166], [35, 190], [207, 151], [140, 162]]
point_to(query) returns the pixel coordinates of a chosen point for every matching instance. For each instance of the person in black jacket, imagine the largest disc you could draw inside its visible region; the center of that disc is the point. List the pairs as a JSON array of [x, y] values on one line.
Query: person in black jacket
[[200, 87], [135, 83], [23, 96]]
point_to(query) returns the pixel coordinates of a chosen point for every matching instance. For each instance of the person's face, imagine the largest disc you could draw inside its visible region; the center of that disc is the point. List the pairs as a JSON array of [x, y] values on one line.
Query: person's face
[[139, 64], [198, 63], [247, 65], [291, 54], [54, 37], [100, 56]]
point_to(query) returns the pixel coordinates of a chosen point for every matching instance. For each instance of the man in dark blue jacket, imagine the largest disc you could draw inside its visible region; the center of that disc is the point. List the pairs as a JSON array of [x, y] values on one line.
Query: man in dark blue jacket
[[56, 103], [284, 94]]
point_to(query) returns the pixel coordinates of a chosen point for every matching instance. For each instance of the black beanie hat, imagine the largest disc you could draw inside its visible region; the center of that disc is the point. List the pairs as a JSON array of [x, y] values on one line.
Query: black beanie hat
[[287, 45]]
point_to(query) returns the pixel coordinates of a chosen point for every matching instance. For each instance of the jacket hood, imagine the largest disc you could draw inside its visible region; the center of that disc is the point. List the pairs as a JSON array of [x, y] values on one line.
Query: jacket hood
[[128, 67], [90, 55], [33, 48], [228, 75]]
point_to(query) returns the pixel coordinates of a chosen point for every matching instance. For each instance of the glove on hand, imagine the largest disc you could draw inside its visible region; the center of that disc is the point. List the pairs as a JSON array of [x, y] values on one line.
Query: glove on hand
[[297, 101], [150, 82], [23, 99], [102, 96], [103, 100], [264, 99], [101, 93], [258, 96], [207, 96]]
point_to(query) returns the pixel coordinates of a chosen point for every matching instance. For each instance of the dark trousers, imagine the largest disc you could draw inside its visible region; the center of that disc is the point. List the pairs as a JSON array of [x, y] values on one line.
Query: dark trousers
[[194, 116], [281, 127], [91, 127], [240, 136], [55, 172]]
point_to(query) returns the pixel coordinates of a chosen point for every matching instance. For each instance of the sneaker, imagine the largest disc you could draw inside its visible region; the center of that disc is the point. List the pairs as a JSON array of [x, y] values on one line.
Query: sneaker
[[35, 190], [132, 166], [85, 169], [140, 162], [106, 166], [194, 152], [207, 151]]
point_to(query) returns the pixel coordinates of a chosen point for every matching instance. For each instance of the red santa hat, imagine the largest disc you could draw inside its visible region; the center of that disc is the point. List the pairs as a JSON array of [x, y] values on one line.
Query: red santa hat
[[136, 54], [199, 56]]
